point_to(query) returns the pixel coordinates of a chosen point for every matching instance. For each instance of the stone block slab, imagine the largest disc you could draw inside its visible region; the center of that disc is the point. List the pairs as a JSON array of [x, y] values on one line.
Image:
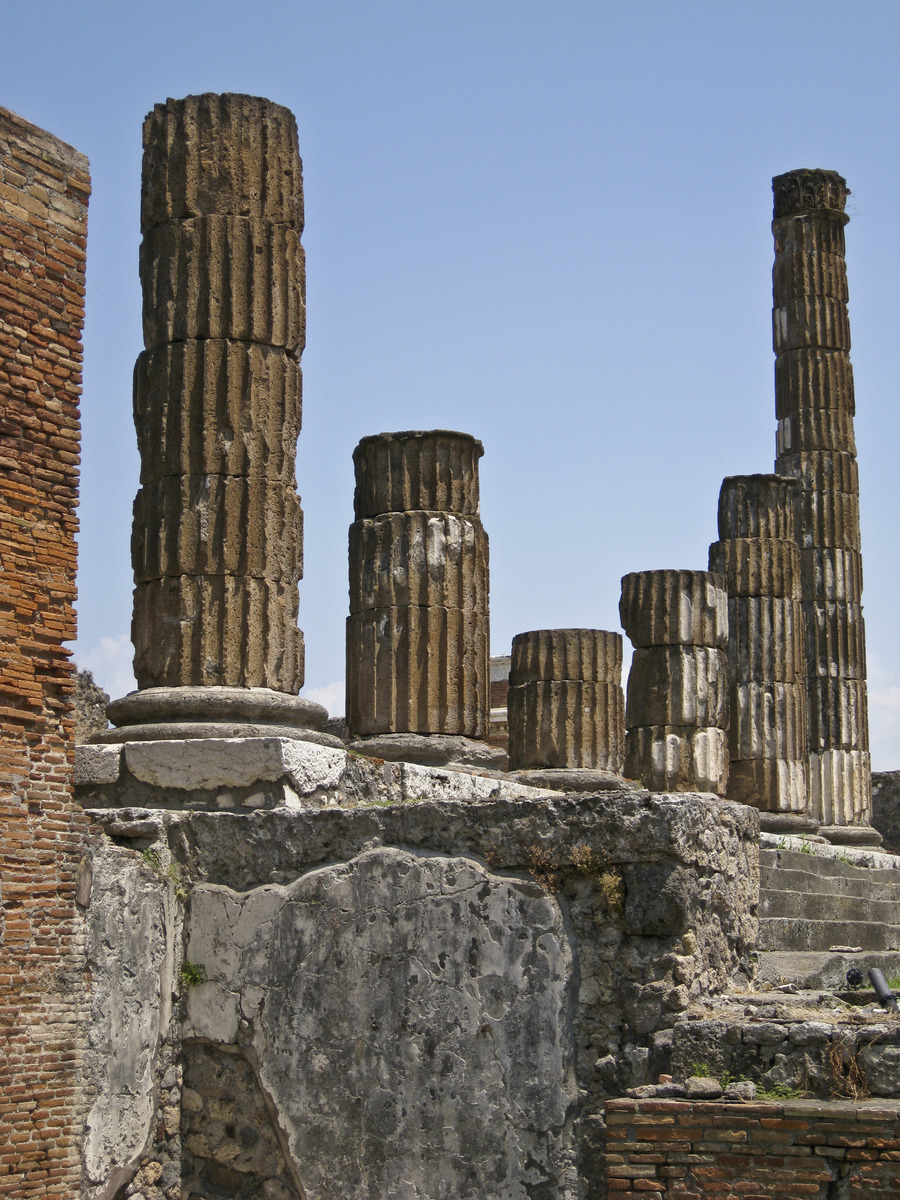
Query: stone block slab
[[235, 762], [96, 764]]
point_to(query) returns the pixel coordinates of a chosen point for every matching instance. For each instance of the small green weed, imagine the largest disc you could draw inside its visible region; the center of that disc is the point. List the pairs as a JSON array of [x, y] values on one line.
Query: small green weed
[[151, 858], [192, 974], [780, 1091]]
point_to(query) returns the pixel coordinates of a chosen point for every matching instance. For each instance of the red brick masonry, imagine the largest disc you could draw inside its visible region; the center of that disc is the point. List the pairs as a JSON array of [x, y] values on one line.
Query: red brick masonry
[[44, 187], [792, 1150]]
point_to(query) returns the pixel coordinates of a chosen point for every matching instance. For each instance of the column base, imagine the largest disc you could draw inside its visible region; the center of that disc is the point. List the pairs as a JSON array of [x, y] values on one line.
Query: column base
[[851, 835], [575, 779], [178, 714], [431, 750], [788, 822]]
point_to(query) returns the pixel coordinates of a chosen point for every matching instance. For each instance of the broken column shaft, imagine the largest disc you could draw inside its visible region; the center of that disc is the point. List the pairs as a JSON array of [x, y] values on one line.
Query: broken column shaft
[[676, 712], [759, 558], [417, 634], [815, 405]]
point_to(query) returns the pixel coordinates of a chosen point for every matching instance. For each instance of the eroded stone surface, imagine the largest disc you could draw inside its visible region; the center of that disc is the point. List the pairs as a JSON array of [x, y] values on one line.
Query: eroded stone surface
[[670, 608], [566, 723], [413, 1041], [434, 471]]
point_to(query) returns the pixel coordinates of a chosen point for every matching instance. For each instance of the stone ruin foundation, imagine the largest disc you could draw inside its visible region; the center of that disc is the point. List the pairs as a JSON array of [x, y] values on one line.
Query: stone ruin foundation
[[760, 560], [676, 713], [815, 404]]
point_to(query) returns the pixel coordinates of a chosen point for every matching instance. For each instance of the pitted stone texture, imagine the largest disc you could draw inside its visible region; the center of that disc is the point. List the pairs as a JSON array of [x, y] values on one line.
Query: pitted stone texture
[[827, 519], [217, 408], [770, 784], [832, 470], [665, 608], [228, 155], [768, 720], [435, 470], [767, 639], [808, 190], [835, 640], [756, 506], [840, 785], [818, 322], [816, 429], [678, 685], [217, 630], [455, 1004], [592, 655], [832, 573], [96, 764], [800, 273], [677, 759], [129, 951], [418, 670], [838, 714], [217, 525], [224, 277], [807, 380], [758, 566], [566, 723], [419, 558]]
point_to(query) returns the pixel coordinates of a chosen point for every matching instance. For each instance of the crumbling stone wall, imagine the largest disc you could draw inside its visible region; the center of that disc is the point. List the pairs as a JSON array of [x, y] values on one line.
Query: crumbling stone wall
[[44, 188]]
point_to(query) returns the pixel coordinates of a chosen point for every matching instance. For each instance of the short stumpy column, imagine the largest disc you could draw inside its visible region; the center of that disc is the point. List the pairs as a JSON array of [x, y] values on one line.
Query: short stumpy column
[[759, 558], [676, 712], [417, 634], [815, 405]]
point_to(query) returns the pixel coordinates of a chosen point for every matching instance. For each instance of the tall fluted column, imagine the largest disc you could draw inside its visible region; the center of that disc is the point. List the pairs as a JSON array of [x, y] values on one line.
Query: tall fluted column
[[759, 558], [815, 445], [417, 634], [676, 711]]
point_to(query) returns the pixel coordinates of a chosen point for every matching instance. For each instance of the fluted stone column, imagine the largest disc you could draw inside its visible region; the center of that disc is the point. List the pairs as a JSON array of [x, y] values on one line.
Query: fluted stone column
[[217, 543], [565, 703], [676, 713], [417, 634], [760, 560], [815, 445]]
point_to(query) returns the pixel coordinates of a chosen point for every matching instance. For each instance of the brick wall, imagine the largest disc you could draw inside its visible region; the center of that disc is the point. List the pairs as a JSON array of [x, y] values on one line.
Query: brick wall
[[792, 1150], [44, 187]]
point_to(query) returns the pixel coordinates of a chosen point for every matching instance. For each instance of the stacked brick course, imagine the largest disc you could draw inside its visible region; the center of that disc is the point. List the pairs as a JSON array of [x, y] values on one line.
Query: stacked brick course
[[44, 188], [787, 1150]]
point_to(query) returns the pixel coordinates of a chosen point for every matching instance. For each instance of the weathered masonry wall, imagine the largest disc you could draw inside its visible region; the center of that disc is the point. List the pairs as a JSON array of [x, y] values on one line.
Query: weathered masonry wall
[[44, 188], [791, 1150]]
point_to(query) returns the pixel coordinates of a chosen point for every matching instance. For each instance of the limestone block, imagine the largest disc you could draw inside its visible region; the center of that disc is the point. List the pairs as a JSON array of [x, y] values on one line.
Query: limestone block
[[677, 759], [815, 321], [768, 720], [435, 470], [838, 714], [835, 639], [831, 573], [756, 506], [414, 669], [227, 154], [200, 630], [773, 785], [840, 786], [224, 277], [766, 642], [566, 723], [418, 558], [828, 519], [208, 763], [816, 429], [811, 192], [665, 608], [804, 273], [217, 525], [813, 378], [594, 655], [96, 765], [678, 685], [758, 566], [217, 408], [822, 470]]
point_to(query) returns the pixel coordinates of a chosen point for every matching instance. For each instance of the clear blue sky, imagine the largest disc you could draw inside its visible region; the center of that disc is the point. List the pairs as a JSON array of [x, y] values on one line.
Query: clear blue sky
[[543, 223]]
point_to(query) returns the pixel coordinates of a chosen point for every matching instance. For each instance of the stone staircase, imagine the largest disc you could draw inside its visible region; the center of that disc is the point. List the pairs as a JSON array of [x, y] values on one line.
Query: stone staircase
[[823, 909]]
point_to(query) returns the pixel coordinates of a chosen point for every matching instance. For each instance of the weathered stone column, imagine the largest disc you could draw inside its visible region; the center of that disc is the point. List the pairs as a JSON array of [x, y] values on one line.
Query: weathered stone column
[[676, 713], [759, 558], [217, 543], [417, 634], [565, 702], [815, 445]]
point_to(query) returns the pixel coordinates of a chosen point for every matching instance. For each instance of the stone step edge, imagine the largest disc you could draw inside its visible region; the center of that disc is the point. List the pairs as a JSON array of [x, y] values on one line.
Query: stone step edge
[[857, 857]]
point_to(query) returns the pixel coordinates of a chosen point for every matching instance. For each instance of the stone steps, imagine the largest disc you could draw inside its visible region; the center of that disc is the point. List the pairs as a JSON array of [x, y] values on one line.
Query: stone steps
[[788, 933], [817, 970]]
